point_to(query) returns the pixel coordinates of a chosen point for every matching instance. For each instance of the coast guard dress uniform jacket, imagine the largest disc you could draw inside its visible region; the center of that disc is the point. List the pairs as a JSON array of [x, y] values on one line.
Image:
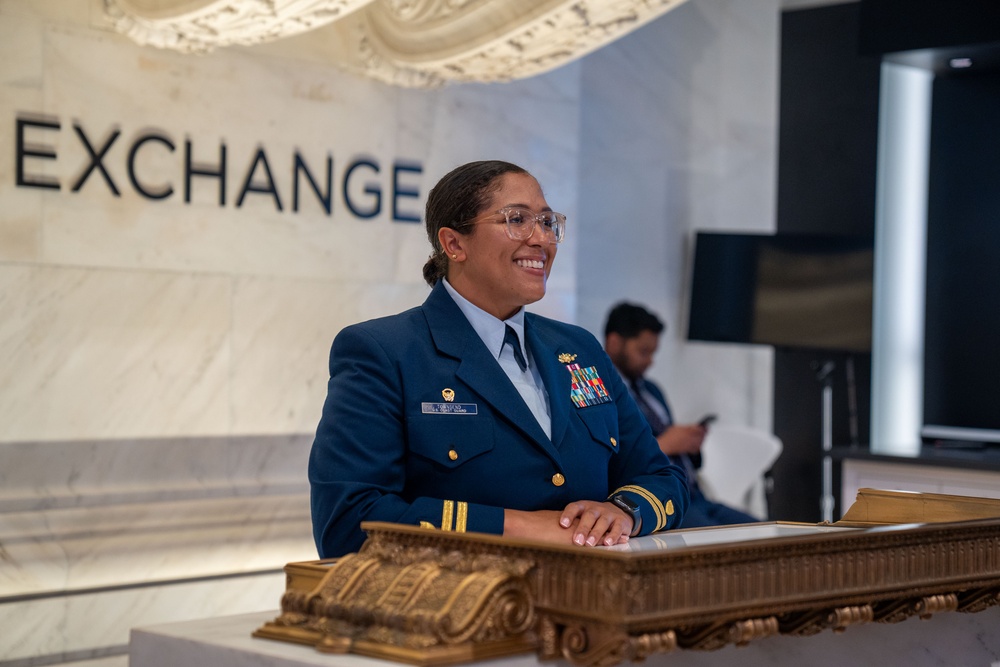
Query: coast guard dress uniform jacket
[[422, 426]]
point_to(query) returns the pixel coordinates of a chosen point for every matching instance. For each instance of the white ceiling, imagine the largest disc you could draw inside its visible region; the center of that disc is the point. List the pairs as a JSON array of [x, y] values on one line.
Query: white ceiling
[[413, 43]]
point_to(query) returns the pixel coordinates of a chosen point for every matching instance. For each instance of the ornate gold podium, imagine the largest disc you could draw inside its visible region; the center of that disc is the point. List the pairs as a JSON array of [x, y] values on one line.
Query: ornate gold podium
[[430, 598]]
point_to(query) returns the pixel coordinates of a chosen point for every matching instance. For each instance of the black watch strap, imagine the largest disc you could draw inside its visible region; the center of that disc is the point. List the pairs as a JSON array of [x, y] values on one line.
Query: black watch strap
[[629, 506]]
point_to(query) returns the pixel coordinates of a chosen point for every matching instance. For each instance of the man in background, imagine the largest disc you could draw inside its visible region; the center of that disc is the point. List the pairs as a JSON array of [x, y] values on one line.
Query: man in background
[[631, 337]]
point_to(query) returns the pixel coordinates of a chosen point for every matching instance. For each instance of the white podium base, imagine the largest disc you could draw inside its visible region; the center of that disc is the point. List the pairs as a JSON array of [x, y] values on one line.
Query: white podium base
[[945, 640]]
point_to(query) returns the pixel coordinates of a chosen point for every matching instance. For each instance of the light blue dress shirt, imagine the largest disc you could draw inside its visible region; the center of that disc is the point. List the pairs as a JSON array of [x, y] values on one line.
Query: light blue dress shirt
[[491, 330]]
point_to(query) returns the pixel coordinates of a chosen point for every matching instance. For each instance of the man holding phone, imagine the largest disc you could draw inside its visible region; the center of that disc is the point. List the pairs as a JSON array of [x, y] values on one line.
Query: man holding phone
[[631, 337]]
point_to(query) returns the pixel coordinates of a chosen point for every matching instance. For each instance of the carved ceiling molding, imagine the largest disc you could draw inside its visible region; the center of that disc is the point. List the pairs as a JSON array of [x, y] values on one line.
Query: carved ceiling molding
[[199, 26], [410, 43]]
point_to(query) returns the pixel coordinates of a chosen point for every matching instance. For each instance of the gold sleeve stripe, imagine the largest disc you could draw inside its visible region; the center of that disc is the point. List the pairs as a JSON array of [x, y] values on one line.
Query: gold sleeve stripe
[[658, 508], [446, 514], [462, 517], [661, 511]]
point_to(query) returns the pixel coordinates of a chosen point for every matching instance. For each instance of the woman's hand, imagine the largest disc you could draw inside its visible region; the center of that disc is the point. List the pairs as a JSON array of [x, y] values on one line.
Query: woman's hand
[[596, 523], [583, 523]]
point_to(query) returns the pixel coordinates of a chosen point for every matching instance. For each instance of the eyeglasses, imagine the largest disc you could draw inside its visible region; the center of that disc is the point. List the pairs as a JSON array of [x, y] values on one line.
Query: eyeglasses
[[520, 223]]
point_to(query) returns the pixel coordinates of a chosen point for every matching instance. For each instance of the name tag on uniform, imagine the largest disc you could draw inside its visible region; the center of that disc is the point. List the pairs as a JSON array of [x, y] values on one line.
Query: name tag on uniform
[[449, 408]]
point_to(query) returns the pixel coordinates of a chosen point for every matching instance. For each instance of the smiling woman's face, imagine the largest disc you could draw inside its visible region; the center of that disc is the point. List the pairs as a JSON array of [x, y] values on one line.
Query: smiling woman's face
[[493, 271]]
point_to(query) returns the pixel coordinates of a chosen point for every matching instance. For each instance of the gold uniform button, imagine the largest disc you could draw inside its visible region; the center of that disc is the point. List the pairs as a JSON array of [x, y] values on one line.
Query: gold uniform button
[[670, 508], [452, 454], [558, 479], [614, 443]]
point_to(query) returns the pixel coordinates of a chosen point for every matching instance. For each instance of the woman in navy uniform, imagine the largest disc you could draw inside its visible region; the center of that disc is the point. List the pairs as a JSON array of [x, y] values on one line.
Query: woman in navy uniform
[[468, 414]]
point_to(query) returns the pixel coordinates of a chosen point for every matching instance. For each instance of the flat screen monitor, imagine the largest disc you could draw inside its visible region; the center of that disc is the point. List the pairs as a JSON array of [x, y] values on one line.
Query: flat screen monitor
[[784, 290]]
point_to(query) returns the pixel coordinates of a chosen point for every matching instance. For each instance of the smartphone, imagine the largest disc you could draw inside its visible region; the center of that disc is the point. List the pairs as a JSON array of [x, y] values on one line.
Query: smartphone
[[706, 420]]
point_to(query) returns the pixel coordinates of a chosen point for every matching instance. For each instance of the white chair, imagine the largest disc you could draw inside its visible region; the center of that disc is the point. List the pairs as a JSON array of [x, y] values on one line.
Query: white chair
[[734, 460]]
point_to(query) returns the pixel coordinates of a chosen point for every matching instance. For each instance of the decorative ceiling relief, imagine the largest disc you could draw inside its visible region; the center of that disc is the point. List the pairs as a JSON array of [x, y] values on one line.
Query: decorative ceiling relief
[[198, 26], [410, 43]]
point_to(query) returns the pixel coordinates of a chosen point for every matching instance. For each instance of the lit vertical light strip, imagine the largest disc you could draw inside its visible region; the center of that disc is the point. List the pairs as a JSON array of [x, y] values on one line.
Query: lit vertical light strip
[[900, 257]]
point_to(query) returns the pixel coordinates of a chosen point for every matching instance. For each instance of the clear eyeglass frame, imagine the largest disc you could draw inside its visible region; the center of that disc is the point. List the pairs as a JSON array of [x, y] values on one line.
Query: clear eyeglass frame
[[520, 223]]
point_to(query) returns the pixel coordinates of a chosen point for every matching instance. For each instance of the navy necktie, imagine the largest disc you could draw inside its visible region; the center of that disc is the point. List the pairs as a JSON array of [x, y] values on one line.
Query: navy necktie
[[510, 338], [656, 424]]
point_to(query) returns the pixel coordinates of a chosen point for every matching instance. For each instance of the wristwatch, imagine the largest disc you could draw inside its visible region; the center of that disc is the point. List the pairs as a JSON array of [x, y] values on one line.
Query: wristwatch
[[630, 507]]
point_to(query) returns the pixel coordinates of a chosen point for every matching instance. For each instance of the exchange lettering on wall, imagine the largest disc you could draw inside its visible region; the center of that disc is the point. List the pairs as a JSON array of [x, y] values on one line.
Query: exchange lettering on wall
[[365, 184]]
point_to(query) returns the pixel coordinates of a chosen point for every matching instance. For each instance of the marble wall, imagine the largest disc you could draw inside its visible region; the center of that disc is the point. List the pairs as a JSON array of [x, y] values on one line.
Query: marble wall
[[165, 352], [133, 317], [679, 134]]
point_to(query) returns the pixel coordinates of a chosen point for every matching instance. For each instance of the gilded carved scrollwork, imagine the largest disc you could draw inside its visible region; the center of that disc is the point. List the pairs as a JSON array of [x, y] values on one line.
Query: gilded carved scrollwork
[[714, 636], [742, 633], [979, 599], [893, 611], [416, 600], [840, 618], [412, 43], [650, 643], [595, 644], [803, 623], [708, 637], [935, 604]]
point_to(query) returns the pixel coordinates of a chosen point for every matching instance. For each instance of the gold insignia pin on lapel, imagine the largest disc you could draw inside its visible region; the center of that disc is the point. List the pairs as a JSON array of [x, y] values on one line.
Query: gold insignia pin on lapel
[[448, 395], [566, 358]]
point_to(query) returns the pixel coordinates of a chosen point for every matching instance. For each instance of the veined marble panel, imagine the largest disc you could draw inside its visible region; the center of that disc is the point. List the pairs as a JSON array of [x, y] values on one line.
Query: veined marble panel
[[78, 515], [20, 89], [45, 630], [702, 85], [281, 106], [247, 103], [99, 534], [58, 475], [99, 354], [368, 265], [205, 239], [238, 96], [725, 181], [736, 183], [20, 224], [68, 549], [50, 10], [282, 332], [22, 65]]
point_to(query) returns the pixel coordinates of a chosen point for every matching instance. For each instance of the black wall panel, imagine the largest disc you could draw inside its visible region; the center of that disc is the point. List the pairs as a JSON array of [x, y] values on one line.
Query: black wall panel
[[903, 25], [828, 136]]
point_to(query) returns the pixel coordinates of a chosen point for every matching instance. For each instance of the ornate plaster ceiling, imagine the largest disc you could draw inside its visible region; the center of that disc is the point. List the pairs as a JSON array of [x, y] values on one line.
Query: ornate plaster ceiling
[[412, 43]]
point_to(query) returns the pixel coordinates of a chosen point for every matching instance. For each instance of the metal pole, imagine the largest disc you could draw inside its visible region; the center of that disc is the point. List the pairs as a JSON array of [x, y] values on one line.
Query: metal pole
[[825, 375], [827, 447]]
